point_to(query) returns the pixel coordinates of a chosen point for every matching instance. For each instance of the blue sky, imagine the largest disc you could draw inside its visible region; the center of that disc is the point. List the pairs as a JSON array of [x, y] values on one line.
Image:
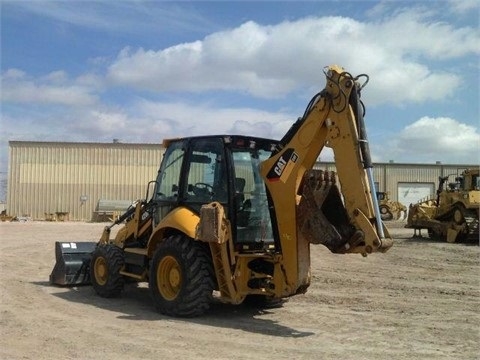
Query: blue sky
[[141, 71]]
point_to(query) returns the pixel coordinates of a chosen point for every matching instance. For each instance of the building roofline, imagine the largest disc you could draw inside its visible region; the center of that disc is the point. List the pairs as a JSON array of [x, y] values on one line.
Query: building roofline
[[86, 143], [410, 164], [160, 146]]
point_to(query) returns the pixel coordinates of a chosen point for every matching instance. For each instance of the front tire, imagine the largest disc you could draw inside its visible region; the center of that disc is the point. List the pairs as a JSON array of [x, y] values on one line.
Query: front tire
[[181, 277], [105, 266], [385, 213]]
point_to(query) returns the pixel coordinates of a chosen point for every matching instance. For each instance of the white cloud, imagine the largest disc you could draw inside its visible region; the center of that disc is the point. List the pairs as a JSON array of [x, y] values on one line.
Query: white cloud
[[179, 119], [107, 122], [410, 59], [50, 89], [430, 139], [413, 34], [464, 6], [145, 122], [57, 77], [272, 61], [92, 81], [119, 17], [12, 74]]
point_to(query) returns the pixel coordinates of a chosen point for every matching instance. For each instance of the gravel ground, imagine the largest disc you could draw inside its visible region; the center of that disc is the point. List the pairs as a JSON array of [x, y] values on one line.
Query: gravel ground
[[420, 300]]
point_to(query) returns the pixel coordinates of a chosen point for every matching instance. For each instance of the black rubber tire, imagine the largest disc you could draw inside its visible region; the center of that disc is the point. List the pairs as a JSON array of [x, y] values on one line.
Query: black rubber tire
[[181, 277], [435, 235], [105, 266], [385, 213]]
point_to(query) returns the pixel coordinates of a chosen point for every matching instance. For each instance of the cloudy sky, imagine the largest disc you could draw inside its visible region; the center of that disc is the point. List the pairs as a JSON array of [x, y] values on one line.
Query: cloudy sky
[[141, 71]]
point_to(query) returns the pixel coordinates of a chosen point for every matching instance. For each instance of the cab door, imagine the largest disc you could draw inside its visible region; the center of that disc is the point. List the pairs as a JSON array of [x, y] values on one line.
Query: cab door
[[168, 180]]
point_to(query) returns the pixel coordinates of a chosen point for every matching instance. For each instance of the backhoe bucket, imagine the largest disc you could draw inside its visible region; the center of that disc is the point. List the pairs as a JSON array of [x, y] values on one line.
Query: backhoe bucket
[[321, 197], [72, 263]]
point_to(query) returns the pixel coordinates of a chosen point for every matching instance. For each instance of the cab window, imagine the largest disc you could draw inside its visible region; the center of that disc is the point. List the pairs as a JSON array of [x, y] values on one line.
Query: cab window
[[207, 178]]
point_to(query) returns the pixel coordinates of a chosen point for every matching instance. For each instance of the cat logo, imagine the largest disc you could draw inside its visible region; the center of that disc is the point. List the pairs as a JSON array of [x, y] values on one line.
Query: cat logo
[[280, 166], [283, 167]]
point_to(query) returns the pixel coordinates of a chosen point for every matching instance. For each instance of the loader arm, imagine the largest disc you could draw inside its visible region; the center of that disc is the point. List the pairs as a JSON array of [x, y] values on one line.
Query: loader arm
[[306, 205]]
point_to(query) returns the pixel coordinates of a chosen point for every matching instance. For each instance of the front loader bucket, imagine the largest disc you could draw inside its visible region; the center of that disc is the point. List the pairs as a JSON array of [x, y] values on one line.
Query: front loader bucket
[[72, 263]]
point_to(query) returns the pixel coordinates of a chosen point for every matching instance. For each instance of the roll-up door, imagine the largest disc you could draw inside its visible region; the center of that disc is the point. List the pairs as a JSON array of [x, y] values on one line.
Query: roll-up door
[[411, 193]]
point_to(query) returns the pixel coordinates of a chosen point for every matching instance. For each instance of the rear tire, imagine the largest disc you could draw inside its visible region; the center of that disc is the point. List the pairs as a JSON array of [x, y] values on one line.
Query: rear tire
[[105, 266], [181, 277]]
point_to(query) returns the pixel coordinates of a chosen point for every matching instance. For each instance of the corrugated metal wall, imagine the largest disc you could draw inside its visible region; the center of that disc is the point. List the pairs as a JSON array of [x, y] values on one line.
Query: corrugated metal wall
[[46, 178], [49, 177]]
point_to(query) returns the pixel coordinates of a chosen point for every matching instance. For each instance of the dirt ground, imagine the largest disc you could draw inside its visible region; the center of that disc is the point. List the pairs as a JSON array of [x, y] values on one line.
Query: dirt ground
[[421, 300]]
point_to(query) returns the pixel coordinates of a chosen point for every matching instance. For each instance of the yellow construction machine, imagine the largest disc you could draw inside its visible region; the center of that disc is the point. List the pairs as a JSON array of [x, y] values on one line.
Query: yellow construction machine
[[389, 209], [232, 217], [454, 214]]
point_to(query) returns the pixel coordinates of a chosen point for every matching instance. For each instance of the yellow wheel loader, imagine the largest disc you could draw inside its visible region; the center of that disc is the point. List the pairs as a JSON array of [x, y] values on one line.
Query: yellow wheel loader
[[454, 214], [389, 209], [232, 217]]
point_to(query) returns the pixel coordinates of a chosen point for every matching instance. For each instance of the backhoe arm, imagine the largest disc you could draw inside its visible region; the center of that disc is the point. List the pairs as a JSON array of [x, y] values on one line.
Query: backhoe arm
[[307, 204]]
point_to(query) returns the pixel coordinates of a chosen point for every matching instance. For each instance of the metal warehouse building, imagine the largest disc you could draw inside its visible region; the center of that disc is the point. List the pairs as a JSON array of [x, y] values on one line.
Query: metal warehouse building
[[86, 181], [77, 181]]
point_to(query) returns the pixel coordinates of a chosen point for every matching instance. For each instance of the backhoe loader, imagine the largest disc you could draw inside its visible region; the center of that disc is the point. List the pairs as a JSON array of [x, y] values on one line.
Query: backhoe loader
[[232, 217]]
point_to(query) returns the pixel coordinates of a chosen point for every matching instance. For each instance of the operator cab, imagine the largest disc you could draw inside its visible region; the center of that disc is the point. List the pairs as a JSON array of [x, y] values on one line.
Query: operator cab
[[199, 170]]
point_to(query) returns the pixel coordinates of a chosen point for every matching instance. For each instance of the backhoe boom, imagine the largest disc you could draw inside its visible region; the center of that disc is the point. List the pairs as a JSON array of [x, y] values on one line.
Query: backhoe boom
[[334, 118]]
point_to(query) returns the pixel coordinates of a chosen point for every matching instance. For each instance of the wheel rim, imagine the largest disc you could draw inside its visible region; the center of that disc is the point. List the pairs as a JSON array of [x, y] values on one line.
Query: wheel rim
[[100, 270], [169, 277]]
